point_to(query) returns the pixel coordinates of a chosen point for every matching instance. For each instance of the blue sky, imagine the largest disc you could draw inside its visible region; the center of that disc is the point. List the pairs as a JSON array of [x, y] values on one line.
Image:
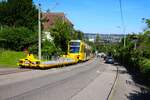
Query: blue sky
[[101, 16]]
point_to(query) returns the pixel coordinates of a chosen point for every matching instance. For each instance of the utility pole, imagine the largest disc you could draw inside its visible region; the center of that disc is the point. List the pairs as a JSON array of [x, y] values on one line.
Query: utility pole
[[122, 22], [39, 31]]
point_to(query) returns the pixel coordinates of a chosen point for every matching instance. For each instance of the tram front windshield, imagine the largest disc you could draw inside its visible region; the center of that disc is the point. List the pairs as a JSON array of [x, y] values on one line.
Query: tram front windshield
[[74, 49], [74, 43]]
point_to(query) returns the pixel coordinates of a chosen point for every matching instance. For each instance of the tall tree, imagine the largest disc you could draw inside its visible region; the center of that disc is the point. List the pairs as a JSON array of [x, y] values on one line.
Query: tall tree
[[147, 22], [18, 13], [61, 32], [17, 38], [78, 35]]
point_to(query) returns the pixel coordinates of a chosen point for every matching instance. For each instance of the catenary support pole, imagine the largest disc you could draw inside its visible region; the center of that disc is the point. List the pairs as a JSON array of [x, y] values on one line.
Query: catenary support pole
[[39, 31]]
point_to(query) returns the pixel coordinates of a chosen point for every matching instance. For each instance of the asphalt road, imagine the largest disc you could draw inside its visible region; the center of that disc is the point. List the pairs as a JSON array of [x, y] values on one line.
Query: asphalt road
[[5, 71], [53, 84]]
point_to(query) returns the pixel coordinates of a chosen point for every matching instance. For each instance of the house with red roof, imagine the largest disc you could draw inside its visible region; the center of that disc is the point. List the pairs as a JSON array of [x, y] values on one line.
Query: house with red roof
[[50, 18]]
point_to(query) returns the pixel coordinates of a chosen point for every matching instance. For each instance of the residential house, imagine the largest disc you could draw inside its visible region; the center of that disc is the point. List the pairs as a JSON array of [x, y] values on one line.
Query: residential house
[[49, 19]]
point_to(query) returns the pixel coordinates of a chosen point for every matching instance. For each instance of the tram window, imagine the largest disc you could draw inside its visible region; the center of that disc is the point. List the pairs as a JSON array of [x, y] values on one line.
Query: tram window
[[74, 49], [75, 43]]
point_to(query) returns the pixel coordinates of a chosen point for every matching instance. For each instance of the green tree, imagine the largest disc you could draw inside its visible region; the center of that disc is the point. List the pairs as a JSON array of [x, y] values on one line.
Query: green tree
[[135, 59], [147, 21], [97, 43], [92, 44], [78, 35], [61, 32], [49, 49], [17, 38], [18, 13]]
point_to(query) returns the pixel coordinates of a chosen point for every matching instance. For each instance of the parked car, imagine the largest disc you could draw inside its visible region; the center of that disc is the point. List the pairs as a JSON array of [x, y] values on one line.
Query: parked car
[[109, 60]]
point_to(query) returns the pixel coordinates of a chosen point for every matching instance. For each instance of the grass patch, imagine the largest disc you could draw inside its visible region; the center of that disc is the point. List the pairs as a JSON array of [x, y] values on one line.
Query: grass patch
[[9, 59]]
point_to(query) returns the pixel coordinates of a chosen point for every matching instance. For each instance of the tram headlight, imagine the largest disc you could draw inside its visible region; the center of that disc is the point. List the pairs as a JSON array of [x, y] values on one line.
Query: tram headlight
[[34, 63], [78, 56], [37, 62]]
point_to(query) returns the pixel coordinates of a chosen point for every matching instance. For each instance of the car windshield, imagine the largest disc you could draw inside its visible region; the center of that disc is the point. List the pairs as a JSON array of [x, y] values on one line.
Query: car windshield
[[74, 49]]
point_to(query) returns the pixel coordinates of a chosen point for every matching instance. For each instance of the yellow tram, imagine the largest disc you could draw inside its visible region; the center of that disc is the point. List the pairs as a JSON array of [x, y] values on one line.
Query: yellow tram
[[78, 50]]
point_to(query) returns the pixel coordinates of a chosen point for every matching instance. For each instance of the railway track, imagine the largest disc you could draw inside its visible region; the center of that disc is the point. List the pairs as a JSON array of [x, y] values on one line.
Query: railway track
[[11, 71]]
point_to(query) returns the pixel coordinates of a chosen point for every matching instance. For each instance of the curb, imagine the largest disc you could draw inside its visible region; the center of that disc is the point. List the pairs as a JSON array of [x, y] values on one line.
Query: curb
[[113, 86]]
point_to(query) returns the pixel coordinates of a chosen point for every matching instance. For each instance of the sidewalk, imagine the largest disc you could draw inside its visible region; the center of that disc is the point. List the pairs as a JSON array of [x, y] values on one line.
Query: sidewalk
[[127, 89], [99, 89]]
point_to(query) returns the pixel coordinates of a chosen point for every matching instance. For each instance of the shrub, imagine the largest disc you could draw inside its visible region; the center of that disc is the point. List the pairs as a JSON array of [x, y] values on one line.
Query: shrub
[[49, 48], [17, 38], [145, 67]]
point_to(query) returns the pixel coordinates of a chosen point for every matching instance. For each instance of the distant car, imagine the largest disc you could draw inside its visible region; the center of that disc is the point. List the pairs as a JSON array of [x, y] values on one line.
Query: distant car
[[109, 60]]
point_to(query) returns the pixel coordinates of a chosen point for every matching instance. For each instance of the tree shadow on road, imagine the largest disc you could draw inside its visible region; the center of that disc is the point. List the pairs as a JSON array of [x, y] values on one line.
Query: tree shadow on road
[[136, 95], [144, 93], [138, 81]]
